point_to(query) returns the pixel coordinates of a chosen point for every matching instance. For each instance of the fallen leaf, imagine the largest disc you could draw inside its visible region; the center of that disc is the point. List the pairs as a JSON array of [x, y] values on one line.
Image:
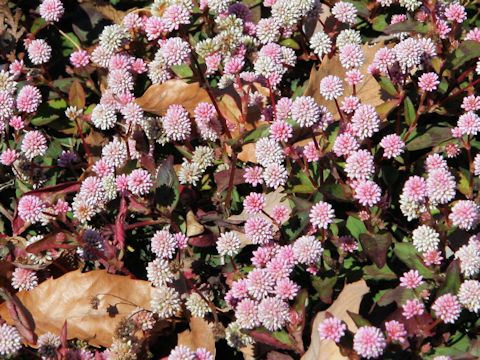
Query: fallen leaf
[[106, 10], [158, 97], [199, 335], [369, 91], [349, 299], [272, 199], [194, 228], [68, 298]]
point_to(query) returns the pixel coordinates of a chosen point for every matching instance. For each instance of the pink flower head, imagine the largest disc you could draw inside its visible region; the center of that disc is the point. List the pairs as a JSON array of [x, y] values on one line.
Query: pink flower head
[[369, 342], [465, 214], [396, 331], [432, 257], [139, 66], [259, 230], [28, 99], [411, 279], [154, 27], [428, 82], [8, 157], [354, 77], [452, 150], [61, 207], [80, 58], [332, 329], [384, 58], [16, 67], [253, 175], [140, 182], [447, 308], [281, 131], [132, 21], [163, 244], [351, 56], [17, 123], [234, 65], [413, 308], [434, 162], [348, 244], [345, 12], [443, 29], [39, 51], [398, 18], [254, 203], [469, 123], [176, 123], [331, 87], [345, 144], [305, 111], [310, 152], [34, 144], [273, 313], [121, 182], [307, 250], [349, 104], [473, 35], [30, 208], [367, 192], [246, 313], [471, 102], [262, 255], [455, 12], [286, 289], [176, 15], [365, 121], [392, 145], [51, 10], [259, 283], [175, 51], [359, 165], [280, 214], [203, 354], [102, 168], [24, 279], [181, 240], [284, 108], [213, 62], [322, 215]]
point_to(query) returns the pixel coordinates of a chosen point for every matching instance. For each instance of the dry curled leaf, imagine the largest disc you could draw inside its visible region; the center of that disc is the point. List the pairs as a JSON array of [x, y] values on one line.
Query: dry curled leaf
[[199, 335], [349, 299], [157, 98], [69, 298]]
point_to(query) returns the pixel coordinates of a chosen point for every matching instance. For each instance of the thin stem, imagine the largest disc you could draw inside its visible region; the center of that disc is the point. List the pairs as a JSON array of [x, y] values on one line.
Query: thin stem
[[66, 36]]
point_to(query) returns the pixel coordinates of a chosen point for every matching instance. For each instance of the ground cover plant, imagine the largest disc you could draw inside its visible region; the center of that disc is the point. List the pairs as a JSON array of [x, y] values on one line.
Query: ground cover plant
[[277, 179]]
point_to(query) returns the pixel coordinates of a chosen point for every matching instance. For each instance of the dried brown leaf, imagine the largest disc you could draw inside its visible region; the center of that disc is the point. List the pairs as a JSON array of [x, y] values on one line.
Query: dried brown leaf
[[369, 91], [194, 228], [159, 97], [68, 298], [349, 299], [199, 335]]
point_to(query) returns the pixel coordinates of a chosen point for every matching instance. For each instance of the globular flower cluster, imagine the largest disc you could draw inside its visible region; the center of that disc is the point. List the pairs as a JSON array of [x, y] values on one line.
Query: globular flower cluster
[[249, 161]]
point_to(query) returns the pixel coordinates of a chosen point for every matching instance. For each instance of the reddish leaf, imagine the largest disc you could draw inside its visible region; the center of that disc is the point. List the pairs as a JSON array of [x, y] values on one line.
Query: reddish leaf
[[267, 338], [21, 317], [204, 240], [76, 95], [119, 229], [63, 188], [49, 242], [222, 178]]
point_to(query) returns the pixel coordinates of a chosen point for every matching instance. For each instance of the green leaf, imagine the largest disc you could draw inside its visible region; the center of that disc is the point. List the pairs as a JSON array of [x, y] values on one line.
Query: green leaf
[[379, 23], [358, 319], [290, 43], [356, 227], [376, 247], [407, 26], [388, 86], [468, 50], [407, 253], [182, 71], [452, 281], [325, 287], [372, 272], [67, 46], [409, 110], [255, 134], [43, 120], [434, 136]]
